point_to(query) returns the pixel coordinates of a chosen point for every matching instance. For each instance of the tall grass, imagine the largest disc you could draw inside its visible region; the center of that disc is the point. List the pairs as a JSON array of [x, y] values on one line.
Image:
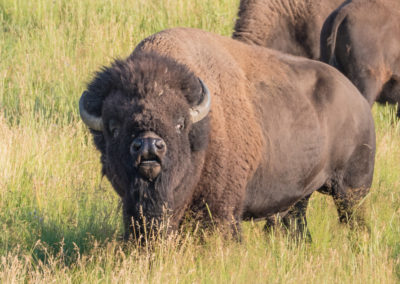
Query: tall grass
[[60, 220]]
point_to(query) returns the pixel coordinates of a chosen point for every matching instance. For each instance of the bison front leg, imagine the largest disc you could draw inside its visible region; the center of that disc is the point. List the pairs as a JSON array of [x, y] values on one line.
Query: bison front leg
[[225, 219], [134, 224], [129, 223], [231, 228], [212, 216], [228, 225]]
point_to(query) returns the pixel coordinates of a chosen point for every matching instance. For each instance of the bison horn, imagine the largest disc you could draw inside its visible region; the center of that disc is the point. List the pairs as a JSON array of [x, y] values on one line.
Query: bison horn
[[203, 108], [92, 121]]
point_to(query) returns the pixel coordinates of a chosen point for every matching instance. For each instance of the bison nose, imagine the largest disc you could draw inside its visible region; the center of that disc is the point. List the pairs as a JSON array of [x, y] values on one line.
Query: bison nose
[[148, 150]]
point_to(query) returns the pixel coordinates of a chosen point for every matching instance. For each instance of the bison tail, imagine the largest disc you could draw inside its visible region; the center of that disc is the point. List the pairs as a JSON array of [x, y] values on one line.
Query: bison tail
[[329, 34]]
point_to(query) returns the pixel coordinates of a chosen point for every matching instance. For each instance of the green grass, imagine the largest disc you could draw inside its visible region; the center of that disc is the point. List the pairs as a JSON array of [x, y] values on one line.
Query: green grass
[[60, 221]]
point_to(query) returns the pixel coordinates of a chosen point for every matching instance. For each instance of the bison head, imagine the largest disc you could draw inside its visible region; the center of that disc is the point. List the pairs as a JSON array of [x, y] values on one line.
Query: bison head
[[148, 117]]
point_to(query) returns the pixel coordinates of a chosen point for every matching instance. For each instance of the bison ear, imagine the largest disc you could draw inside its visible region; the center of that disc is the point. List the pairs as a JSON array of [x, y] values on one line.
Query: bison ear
[[199, 135], [92, 121]]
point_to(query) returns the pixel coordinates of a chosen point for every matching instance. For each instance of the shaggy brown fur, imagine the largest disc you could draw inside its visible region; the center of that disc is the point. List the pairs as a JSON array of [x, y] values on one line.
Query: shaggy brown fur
[[280, 128], [361, 39], [291, 26]]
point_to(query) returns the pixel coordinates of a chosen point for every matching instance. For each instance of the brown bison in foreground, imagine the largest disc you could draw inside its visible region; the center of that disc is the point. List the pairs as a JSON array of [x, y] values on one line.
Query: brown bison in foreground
[[193, 122], [362, 40], [290, 26]]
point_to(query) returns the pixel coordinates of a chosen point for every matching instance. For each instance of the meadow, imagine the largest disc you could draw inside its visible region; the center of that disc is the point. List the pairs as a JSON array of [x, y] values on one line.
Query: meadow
[[60, 220]]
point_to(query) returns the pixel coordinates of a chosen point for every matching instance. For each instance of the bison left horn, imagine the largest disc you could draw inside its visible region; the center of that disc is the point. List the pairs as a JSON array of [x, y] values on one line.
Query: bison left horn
[[92, 121], [203, 108]]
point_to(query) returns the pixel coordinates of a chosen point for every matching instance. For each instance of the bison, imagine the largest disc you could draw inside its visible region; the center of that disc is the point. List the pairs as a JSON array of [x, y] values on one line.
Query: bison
[[199, 124], [291, 26], [361, 39]]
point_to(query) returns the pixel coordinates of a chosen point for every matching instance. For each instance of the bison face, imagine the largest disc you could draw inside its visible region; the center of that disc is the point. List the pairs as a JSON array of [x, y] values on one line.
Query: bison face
[[148, 118]]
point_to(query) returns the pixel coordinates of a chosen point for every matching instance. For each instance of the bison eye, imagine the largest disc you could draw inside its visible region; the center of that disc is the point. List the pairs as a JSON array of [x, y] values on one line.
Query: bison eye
[[113, 127], [181, 125]]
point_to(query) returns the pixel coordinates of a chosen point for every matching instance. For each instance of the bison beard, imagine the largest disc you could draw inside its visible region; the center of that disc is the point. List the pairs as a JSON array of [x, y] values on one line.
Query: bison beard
[[144, 197], [280, 128]]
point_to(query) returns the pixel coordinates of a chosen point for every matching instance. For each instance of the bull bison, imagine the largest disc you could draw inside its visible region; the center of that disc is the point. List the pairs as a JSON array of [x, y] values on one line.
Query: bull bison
[[291, 26], [200, 123], [361, 39]]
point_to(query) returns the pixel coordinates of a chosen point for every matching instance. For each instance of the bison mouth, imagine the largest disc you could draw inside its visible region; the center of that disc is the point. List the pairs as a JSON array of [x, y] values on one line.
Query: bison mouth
[[149, 168]]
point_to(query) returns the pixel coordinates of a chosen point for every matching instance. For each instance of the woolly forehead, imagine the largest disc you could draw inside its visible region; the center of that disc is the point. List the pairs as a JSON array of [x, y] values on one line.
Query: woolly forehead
[[147, 74]]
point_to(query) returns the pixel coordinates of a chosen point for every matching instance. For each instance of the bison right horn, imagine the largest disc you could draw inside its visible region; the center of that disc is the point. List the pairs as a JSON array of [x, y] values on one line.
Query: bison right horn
[[92, 121], [203, 108]]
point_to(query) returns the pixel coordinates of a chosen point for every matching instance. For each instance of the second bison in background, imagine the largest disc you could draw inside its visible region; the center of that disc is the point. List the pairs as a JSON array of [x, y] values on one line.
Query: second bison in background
[[200, 123], [290, 26], [362, 40]]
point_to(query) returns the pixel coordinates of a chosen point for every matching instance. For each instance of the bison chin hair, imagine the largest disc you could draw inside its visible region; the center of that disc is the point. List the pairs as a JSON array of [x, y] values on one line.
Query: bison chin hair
[[148, 207], [150, 198]]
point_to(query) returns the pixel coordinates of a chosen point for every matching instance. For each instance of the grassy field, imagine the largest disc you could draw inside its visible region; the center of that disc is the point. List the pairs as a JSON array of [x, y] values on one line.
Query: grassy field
[[60, 220]]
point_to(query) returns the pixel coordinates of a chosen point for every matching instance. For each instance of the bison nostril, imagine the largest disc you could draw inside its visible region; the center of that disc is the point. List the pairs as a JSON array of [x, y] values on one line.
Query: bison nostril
[[136, 145], [160, 144]]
